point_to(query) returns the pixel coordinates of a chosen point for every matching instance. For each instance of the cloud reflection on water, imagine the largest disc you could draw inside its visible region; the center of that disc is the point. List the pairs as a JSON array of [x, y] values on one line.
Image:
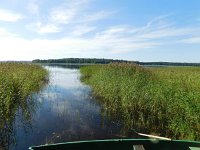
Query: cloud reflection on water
[[66, 112]]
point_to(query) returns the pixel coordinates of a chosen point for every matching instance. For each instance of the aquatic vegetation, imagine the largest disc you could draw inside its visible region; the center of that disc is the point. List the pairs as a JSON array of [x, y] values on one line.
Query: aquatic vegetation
[[17, 82], [162, 100]]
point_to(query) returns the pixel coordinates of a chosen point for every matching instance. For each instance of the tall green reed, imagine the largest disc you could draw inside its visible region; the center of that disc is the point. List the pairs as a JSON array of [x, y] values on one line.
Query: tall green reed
[[165, 101], [17, 82]]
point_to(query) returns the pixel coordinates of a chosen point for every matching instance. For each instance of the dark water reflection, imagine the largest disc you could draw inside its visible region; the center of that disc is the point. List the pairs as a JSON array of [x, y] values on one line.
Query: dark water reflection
[[20, 114], [63, 111]]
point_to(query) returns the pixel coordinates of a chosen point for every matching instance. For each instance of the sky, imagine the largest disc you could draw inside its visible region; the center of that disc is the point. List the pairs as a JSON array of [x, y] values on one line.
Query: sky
[[138, 30]]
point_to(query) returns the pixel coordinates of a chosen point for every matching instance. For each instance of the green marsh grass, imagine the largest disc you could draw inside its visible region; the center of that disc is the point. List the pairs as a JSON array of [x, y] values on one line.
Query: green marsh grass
[[17, 82], [164, 100]]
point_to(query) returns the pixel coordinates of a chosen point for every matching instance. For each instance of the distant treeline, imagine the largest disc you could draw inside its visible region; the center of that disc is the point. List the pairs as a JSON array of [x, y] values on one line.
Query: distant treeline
[[81, 61], [168, 64], [107, 61]]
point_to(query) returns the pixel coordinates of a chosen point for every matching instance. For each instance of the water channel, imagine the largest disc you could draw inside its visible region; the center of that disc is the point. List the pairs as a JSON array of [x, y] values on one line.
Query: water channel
[[64, 110]]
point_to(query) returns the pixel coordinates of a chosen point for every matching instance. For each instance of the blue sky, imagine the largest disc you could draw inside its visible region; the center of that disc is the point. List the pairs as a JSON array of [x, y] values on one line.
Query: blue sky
[[142, 30]]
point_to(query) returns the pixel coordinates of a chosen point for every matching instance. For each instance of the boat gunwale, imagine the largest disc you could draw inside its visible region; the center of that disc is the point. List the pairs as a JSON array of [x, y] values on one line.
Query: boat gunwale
[[188, 142]]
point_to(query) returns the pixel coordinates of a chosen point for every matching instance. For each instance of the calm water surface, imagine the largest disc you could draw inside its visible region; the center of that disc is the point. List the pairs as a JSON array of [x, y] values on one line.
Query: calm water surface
[[63, 111]]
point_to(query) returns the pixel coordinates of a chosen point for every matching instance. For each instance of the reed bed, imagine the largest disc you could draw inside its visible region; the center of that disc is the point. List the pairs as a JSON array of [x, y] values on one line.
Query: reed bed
[[17, 82], [164, 101]]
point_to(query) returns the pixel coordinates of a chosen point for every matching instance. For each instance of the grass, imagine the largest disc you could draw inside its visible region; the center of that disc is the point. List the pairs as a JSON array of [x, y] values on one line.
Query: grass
[[17, 82], [164, 101]]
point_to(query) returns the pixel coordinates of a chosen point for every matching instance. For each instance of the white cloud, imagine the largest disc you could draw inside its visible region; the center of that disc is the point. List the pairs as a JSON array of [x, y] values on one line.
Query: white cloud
[[62, 15], [97, 16], [69, 15], [40, 48], [49, 28], [67, 12], [157, 32], [80, 30], [113, 40], [43, 28], [167, 32], [69, 47], [158, 21], [5, 33], [33, 7], [192, 40], [58, 16], [9, 16], [121, 40], [112, 32]]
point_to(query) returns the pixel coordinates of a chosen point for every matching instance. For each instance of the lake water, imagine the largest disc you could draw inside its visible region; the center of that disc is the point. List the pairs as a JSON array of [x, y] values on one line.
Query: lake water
[[64, 110]]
